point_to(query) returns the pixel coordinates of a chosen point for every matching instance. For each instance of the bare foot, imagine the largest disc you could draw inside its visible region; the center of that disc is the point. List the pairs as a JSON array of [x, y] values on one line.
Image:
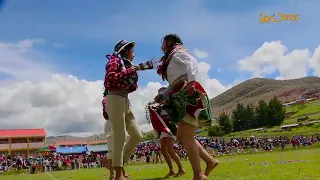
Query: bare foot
[[124, 173], [120, 178], [111, 177], [171, 173], [180, 173], [200, 178], [211, 166]]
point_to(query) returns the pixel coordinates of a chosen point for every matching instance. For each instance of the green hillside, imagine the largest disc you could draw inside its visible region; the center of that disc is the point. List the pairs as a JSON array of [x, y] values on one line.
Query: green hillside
[[253, 90], [311, 110], [300, 110], [306, 113]]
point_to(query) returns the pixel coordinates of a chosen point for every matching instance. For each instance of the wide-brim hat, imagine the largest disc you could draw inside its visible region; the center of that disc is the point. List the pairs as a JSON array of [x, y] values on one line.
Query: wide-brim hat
[[120, 45]]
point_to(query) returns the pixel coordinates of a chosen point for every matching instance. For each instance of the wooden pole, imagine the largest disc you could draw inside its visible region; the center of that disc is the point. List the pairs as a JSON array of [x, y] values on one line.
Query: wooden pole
[[28, 147]]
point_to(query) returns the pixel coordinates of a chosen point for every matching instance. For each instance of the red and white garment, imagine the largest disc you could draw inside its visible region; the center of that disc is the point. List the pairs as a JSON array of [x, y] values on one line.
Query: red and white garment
[[104, 107], [160, 121], [107, 125]]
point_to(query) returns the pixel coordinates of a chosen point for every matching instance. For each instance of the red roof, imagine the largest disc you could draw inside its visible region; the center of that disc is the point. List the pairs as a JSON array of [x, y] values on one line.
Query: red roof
[[22, 133], [69, 143], [97, 142]]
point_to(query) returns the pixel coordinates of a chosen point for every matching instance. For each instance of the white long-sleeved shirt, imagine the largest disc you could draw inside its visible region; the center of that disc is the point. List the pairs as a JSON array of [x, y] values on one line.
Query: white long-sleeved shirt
[[181, 63]]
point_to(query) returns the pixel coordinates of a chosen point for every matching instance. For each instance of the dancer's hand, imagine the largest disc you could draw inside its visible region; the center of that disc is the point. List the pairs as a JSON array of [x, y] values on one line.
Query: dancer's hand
[[158, 98], [191, 88], [134, 68]]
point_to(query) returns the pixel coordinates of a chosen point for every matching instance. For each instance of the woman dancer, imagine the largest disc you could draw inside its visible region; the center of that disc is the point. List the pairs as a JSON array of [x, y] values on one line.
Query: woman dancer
[[166, 132], [120, 80], [188, 100]]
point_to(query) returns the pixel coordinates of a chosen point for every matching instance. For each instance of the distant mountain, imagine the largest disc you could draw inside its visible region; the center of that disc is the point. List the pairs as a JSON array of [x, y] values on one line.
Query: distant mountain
[[253, 90]]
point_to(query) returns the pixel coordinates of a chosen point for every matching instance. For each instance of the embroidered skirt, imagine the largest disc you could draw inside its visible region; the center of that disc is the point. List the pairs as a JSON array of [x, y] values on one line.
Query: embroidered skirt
[[160, 120], [178, 103]]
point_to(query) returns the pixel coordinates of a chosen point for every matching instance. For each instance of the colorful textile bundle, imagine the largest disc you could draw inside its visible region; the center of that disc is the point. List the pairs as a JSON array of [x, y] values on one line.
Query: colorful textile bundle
[[160, 120], [178, 104]]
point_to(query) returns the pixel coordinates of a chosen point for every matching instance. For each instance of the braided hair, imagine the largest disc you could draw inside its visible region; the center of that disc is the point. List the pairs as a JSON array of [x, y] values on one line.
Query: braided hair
[[174, 38], [175, 43]]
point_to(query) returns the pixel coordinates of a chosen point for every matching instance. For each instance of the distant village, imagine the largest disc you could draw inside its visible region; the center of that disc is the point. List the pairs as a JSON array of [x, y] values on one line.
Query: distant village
[[307, 96]]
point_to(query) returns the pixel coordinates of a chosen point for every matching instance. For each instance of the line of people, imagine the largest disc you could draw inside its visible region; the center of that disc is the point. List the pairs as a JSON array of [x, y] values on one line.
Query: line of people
[[53, 162], [184, 103], [151, 152]]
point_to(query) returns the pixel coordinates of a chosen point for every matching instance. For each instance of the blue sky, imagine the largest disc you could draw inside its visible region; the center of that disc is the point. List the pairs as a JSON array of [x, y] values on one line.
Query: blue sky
[[78, 34]]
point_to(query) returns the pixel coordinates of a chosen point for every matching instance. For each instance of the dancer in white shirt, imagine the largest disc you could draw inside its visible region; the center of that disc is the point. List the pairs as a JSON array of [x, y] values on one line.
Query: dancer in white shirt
[[187, 101]]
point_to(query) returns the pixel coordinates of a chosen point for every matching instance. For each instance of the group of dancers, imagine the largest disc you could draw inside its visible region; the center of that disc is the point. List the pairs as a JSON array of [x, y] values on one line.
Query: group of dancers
[[176, 112]]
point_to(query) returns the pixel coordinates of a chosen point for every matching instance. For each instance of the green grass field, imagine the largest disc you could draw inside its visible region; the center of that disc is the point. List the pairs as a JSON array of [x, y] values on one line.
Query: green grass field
[[264, 166]]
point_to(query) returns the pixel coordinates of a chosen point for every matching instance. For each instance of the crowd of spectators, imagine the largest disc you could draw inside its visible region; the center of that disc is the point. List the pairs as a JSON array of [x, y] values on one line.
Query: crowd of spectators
[[255, 144], [149, 152], [52, 162], [219, 146]]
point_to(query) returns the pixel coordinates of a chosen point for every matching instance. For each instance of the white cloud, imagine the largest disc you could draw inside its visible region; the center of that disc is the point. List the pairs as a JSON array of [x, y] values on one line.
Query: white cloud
[[212, 86], [274, 56], [200, 54], [21, 61], [63, 104]]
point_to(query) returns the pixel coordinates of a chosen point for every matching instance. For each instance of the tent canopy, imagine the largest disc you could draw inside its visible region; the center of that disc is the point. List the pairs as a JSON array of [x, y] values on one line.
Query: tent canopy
[[72, 150], [98, 148], [47, 149]]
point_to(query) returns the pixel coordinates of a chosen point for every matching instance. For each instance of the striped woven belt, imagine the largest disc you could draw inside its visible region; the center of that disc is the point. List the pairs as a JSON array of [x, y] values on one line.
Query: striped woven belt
[[179, 80]]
